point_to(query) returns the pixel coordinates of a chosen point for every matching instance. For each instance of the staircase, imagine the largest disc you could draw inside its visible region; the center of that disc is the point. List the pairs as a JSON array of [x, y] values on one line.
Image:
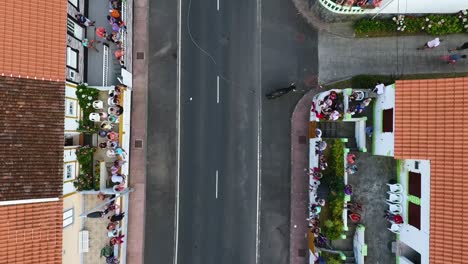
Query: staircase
[[346, 245], [337, 129], [340, 130]]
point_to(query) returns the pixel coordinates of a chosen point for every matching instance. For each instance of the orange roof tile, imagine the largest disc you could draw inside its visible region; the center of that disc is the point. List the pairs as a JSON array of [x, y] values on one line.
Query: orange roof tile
[[431, 123], [31, 233], [33, 39]]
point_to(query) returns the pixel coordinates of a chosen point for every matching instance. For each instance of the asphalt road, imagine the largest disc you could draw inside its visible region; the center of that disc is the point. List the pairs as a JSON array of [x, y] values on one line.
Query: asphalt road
[[220, 96]]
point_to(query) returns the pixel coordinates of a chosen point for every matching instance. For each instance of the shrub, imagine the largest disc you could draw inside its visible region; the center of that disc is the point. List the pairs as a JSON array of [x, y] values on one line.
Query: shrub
[[86, 96], [432, 25], [84, 155], [331, 258], [86, 180], [333, 178]]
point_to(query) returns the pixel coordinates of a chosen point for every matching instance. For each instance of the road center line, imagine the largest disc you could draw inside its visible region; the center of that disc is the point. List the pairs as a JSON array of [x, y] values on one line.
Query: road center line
[[216, 184], [217, 89], [217, 5]]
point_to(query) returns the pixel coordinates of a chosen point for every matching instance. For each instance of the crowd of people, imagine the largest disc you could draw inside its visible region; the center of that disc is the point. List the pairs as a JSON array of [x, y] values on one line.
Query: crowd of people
[[113, 228], [329, 108], [114, 35]]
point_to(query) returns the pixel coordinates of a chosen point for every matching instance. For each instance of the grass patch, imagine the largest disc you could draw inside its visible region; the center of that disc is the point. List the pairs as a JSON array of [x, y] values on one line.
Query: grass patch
[[331, 215]]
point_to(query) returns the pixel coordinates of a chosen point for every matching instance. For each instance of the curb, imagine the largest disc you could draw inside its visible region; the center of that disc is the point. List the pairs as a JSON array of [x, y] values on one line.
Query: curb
[[316, 22]]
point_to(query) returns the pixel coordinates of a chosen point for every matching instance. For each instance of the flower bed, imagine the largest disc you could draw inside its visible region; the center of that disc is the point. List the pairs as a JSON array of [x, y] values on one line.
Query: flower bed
[[333, 177], [86, 96], [87, 178], [410, 25]]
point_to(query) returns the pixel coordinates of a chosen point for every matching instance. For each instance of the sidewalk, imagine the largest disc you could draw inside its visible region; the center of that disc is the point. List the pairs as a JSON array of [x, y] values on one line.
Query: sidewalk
[[139, 69], [341, 58], [299, 181]]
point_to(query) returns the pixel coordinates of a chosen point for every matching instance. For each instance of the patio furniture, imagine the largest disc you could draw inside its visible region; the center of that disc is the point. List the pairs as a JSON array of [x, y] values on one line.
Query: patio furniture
[[111, 101], [110, 153], [94, 117], [395, 228], [355, 217], [394, 198], [395, 188], [106, 125], [394, 208], [112, 93], [98, 104]]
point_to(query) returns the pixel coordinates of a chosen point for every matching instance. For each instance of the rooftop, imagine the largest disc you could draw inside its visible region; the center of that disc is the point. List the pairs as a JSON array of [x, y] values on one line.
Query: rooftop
[[31, 138], [430, 122], [31, 48], [31, 233]]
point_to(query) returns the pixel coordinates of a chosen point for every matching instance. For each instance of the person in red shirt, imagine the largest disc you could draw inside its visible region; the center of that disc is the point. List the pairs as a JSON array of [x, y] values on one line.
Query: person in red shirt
[[398, 219]]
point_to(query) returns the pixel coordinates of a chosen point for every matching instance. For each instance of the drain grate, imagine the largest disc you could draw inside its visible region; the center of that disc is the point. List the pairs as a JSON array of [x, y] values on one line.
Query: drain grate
[[302, 140], [302, 253], [140, 55], [138, 143]]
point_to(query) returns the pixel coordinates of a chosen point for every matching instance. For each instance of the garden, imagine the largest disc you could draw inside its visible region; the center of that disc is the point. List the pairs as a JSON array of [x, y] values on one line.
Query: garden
[[333, 178], [413, 25], [86, 96], [88, 176]]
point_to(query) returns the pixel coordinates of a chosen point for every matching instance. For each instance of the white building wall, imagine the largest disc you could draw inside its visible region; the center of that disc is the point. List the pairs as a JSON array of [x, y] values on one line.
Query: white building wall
[[383, 144], [421, 6], [71, 117], [411, 236]]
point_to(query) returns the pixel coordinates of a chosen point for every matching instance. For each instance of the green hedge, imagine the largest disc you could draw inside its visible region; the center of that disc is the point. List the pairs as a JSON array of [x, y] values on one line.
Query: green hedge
[[332, 227], [85, 179], [86, 96], [410, 25]]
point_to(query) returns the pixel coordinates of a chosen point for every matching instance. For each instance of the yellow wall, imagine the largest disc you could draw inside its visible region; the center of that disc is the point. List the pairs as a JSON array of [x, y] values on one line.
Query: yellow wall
[[70, 251]]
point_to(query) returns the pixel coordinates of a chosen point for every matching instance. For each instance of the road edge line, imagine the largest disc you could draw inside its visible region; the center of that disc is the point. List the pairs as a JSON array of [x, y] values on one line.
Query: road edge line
[[259, 130], [179, 66]]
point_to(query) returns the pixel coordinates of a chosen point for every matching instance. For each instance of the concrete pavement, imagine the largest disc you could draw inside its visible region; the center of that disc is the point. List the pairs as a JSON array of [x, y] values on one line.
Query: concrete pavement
[[137, 180], [341, 58], [219, 120]]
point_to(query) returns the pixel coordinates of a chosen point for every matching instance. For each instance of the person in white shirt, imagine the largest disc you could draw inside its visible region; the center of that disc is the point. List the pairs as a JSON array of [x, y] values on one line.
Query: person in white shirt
[[379, 88], [431, 44], [117, 178]]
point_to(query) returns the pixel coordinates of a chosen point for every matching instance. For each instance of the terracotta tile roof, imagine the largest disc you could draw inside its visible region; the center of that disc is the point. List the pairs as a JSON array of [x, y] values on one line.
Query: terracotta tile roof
[[431, 123], [31, 138], [33, 38], [31, 233]]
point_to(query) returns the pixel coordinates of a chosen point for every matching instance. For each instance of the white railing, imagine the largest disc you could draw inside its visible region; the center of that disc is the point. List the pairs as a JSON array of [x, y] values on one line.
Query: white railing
[[341, 9], [105, 65]]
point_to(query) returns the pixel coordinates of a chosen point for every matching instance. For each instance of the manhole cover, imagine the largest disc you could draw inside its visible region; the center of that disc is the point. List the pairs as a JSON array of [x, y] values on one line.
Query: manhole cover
[[138, 143], [302, 140], [302, 252], [140, 55]]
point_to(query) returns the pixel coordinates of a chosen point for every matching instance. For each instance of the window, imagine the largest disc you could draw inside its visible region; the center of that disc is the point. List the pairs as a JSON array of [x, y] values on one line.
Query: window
[[68, 217], [72, 58], [74, 3], [74, 29], [387, 117], [70, 108], [69, 171], [414, 182], [414, 215]]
